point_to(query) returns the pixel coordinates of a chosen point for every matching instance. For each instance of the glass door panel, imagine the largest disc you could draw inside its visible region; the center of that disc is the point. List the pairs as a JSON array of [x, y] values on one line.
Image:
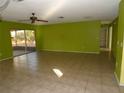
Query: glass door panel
[[20, 39], [30, 40], [18, 42], [13, 38], [23, 41]]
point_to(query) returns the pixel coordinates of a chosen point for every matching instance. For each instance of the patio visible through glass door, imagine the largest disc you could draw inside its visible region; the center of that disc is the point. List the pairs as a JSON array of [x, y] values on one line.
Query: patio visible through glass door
[[23, 41]]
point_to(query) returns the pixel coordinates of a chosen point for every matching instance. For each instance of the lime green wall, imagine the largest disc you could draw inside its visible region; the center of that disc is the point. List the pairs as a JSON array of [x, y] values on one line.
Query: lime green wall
[[121, 28], [76, 37], [114, 37], [119, 67], [66, 37], [5, 40]]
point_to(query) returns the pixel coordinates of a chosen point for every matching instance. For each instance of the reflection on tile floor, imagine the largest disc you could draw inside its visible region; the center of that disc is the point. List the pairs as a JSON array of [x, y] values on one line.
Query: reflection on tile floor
[[20, 52], [40, 73]]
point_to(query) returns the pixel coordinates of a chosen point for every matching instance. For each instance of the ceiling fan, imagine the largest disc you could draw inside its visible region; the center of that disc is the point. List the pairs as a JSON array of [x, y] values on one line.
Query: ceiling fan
[[34, 18]]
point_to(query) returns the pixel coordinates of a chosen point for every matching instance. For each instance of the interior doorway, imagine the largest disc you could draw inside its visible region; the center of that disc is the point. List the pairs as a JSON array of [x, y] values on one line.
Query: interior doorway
[[104, 38], [23, 41]]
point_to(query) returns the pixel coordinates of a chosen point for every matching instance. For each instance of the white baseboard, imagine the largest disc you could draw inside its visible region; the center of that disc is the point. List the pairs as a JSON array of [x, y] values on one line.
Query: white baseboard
[[120, 84], [13, 56], [117, 78], [70, 51], [105, 49], [6, 59]]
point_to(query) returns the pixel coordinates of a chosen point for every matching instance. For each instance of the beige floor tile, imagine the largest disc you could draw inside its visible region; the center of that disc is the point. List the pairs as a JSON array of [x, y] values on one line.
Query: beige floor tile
[[93, 87], [122, 89], [109, 89], [81, 73]]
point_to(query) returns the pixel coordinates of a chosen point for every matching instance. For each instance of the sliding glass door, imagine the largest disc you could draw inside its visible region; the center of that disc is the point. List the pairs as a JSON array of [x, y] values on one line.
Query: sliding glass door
[[30, 40], [23, 41]]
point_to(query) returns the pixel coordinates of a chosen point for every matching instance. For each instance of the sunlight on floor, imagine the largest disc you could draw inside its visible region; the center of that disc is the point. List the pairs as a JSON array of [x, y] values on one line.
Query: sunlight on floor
[[58, 72]]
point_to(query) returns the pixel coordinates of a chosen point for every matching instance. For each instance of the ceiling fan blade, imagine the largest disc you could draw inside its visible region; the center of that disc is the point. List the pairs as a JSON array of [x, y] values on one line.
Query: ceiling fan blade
[[25, 20], [42, 20]]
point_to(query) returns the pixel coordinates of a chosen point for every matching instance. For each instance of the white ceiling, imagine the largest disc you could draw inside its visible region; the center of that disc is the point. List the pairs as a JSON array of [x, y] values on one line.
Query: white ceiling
[[72, 10]]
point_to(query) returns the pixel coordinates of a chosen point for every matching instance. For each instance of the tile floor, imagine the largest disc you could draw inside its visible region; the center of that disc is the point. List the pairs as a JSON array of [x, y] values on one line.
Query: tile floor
[[20, 52], [54, 72]]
